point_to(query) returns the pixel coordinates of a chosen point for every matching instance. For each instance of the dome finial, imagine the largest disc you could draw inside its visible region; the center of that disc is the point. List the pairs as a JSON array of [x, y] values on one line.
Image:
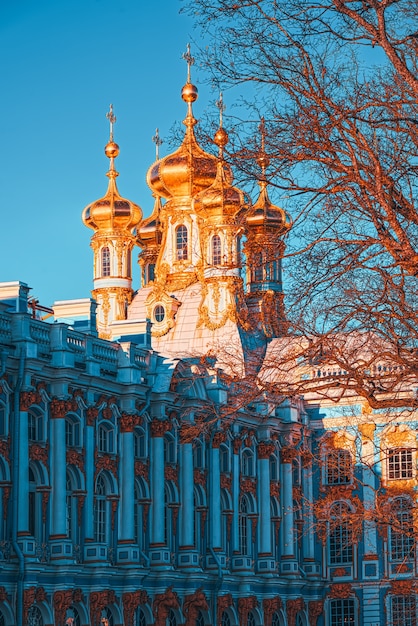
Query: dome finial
[[158, 141], [221, 136], [190, 61], [111, 148], [189, 91]]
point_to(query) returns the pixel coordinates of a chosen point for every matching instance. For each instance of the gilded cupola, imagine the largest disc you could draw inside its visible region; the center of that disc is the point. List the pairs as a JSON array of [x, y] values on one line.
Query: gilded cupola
[[264, 214], [189, 169], [221, 199], [112, 212]]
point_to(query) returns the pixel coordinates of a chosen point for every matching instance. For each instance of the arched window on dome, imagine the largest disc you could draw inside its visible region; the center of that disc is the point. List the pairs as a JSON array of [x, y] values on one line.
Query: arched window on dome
[[216, 251], [181, 243], [105, 261]]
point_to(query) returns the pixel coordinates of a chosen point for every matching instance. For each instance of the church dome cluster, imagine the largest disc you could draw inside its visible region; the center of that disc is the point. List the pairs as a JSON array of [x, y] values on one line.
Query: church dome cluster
[[203, 230]]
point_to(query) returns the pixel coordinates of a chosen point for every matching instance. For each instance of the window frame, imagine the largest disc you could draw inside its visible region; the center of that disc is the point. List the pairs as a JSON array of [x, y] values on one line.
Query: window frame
[[182, 242]]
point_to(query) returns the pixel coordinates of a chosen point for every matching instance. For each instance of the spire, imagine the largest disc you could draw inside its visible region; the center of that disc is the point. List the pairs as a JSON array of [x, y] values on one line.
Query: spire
[[111, 148], [189, 91]]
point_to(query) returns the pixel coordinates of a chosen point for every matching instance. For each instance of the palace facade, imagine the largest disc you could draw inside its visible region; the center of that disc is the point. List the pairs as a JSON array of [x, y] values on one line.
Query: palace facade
[[145, 478]]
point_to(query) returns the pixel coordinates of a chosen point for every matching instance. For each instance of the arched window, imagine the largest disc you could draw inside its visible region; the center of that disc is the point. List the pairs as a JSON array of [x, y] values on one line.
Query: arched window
[[140, 447], [2, 619], [274, 467], [224, 458], [101, 512], [276, 619], [106, 440], [35, 616], [275, 525], [169, 448], [402, 532], [36, 514], [181, 243], [105, 261], [139, 618], [245, 539], [257, 268], [198, 455], [140, 513], [226, 519], [72, 431], [199, 519], [3, 423], [340, 538], [35, 426], [216, 250], [170, 515], [199, 620], [247, 463], [338, 467]]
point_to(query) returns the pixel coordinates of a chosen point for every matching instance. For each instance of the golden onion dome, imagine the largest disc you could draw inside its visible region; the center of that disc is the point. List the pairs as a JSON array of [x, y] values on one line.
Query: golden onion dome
[[149, 231], [221, 198], [264, 213], [189, 169], [112, 212]]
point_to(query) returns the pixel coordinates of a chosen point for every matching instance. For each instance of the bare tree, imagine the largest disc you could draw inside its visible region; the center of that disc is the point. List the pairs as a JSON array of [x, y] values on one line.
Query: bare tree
[[336, 81]]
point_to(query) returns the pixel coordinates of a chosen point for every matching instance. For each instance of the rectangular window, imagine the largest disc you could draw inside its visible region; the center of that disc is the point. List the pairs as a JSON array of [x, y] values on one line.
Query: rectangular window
[[400, 464], [338, 467], [342, 612], [100, 520], [340, 545], [404, 611]]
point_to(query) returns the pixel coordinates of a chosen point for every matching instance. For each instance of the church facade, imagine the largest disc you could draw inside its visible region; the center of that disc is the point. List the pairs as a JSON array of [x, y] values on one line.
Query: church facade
[[146, 478]]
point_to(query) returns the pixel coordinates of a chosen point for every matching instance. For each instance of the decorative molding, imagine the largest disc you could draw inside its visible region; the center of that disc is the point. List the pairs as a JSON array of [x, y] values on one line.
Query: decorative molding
[[265, 449], [162, 604], [270, 607], [128, 422], [59, 408], [245, 605], [292, 609], [224, 602], [159, 427], [340, 590], [99, 600], [315, 609], [192, 604], [131, 600]]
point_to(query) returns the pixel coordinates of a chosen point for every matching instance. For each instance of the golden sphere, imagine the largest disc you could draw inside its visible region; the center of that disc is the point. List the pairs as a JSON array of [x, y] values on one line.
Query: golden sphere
[[111, 150], [221, 137], [189, 93]]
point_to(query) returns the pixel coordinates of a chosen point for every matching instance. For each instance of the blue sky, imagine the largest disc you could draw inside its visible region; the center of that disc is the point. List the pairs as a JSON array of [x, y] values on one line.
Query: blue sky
[[63, 63]]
